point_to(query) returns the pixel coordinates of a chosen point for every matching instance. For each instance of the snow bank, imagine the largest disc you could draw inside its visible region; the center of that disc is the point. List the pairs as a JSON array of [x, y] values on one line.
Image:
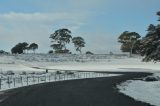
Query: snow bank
[[144, 91]]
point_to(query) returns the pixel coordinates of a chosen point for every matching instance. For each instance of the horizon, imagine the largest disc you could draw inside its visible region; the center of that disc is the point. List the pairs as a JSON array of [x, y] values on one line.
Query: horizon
[[99, 22]]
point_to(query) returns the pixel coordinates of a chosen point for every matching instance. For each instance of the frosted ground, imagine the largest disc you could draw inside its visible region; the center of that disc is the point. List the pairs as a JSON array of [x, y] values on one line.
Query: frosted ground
[[76, 62], [138, 89]]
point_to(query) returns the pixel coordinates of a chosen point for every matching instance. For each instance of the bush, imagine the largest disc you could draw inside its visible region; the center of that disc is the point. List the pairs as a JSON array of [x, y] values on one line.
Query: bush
[[88, 52], [32, 73], [3, 52], [58, 72], [66, 51], [151, 78], [23, 73], [69, 72], [10, 73], [50, 52]]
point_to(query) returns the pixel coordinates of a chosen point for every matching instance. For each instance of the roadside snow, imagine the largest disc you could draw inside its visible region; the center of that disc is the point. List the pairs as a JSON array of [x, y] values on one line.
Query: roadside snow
[[144, 91]]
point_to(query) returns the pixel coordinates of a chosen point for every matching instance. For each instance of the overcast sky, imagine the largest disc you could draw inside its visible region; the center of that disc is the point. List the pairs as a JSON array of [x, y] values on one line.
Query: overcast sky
[[99, 22]]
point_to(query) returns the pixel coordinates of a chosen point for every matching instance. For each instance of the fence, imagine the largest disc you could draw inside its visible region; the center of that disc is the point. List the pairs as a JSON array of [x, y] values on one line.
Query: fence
[[14, 81]]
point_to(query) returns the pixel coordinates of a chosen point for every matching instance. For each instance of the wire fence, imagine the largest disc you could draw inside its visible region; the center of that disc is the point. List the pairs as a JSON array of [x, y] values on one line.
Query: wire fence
[[15, 81]]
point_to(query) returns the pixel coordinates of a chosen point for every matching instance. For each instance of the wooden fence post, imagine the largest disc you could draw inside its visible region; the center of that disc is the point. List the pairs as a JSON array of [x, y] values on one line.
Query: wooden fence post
[[49, 77], [55, 77], [21, 80], [0, 83], [27, 80], [38, 79], [14, 82], [45, 78], [8, 82], [33, 79]]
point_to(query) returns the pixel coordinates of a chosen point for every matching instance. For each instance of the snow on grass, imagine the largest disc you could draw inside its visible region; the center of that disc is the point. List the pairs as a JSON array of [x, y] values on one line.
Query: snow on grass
[[141, 90], [76, 62]]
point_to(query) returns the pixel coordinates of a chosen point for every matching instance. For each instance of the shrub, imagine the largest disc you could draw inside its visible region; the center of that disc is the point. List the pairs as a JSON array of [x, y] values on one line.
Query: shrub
[[66, 51], [50, 52], [151, 78], [88, 52], [69, 72], [3, 52], [23, 73], [58, 72], [10, 73]]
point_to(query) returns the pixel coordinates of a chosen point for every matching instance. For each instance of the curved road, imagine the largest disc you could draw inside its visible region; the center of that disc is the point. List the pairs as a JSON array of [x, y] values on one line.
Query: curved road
[[84, 92]]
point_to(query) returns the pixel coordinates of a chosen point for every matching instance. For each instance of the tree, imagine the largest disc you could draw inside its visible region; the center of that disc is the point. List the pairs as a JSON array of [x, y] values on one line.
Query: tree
[[24, 46], [128, 40], [150, 44], [60, 38], [158, 13], [33, 47], [78, 43], [19, 48], [3, 52]]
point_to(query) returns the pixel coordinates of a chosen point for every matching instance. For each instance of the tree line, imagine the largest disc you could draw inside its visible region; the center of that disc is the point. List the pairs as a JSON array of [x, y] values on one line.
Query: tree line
[[24, 47], [147, 46], [59, 40]]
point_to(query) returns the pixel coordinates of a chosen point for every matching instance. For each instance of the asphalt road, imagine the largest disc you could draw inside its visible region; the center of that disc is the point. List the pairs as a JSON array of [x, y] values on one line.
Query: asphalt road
[[83, 92]]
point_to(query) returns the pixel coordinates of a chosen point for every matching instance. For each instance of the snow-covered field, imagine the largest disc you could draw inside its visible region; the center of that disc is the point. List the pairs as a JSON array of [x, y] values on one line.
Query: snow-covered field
[[138, 89], [76, 62]]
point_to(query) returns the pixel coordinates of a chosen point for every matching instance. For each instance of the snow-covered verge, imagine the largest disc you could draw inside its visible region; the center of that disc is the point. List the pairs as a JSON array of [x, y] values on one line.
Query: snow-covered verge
[[142, 90]]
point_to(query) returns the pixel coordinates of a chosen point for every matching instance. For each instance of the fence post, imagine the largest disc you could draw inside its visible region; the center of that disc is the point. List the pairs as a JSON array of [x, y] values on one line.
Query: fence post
[[21, 80], [14, 82], [0, 82], [64, 76], [45, 78], [49, 77], [55, 77], [38, 79], [33, 79], [27, 80], [8, 82], [67, 76], [59, 76]]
